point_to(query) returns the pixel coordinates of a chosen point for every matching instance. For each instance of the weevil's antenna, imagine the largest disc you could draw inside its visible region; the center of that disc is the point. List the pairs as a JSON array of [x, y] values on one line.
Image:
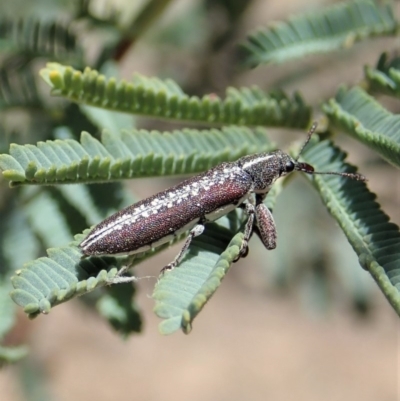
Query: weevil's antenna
[[311, 131], [307, 168], [353, 176]]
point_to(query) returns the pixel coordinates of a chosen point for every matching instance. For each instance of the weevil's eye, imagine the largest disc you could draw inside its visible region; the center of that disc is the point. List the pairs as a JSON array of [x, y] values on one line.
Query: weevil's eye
[[289, 167]]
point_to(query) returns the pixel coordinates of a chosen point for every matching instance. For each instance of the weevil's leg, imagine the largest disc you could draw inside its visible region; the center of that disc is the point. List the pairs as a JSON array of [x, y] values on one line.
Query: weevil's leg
[[248, 230], [265, 225], [120, 278], [194, 232]]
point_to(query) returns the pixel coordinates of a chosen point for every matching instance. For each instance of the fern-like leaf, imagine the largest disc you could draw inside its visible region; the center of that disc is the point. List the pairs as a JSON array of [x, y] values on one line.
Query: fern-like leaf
[[385, 78], [361, 116], [165, 99], [337, 26], [49, 281], [133, 154], [375, 240], [18, 87], [182, 293], [40, 38]]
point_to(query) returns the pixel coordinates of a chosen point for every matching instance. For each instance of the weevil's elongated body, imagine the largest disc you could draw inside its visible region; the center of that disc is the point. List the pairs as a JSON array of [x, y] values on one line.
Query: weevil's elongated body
[[196, 201], [200, 199]]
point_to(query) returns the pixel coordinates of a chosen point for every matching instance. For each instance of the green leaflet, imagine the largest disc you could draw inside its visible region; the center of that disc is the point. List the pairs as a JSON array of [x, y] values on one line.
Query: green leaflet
[[117, 305], [133, 154], [165, 99], [375, 240], [361, 116], [46, 219], [330, 29], [182, 293]]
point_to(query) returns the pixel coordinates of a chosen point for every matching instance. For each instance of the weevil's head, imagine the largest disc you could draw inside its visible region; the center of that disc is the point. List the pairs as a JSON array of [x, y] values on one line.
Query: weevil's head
[[266, 168]]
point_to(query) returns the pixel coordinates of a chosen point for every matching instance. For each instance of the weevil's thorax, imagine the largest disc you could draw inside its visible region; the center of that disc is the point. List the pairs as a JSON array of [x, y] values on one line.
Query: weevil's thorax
[[266, 168]]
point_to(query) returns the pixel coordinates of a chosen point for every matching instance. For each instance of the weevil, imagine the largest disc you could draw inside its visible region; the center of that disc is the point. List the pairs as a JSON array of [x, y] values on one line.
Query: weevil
[[203, 198]]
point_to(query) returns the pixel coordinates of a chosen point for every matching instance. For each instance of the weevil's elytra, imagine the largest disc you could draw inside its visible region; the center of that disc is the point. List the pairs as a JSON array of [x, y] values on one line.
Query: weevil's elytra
[[155, 220], [196, 201]]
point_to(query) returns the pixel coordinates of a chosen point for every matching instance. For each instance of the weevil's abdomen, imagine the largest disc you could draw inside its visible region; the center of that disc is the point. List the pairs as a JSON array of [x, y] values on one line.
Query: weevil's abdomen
[[157, 219]]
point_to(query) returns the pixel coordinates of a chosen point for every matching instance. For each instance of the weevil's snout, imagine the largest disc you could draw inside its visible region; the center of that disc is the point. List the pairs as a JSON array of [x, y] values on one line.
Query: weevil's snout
[[305, 168]]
